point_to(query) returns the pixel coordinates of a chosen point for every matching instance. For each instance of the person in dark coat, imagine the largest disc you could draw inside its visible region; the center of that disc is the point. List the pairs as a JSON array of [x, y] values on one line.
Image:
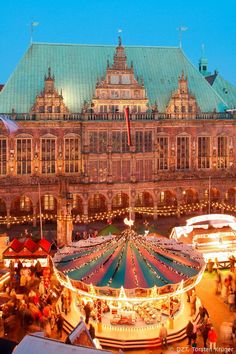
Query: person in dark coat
[[59, 323], [204, 329], [203, 313], [91, 330], [189, 332]]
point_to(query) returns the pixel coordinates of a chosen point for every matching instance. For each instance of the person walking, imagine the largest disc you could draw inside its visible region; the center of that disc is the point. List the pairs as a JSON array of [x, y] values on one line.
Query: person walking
[[62, 302], [59, 323], [218, 282], [193, 300], [163, 335], [212, 336], [189, 332], [204, 329], [231, 300], [203, 313], [91, 330]]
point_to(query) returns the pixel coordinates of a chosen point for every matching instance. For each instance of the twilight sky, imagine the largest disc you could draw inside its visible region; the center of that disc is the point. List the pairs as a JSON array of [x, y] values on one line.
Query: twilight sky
[[149, 22]]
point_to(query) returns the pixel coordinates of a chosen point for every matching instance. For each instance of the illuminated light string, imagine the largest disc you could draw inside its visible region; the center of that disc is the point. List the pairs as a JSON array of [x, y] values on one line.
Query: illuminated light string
[[171, 210], [180, 289], [171, 289]]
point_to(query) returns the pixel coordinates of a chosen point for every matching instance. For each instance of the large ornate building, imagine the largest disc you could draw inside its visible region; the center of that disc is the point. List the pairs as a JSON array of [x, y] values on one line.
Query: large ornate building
[[72, 143]]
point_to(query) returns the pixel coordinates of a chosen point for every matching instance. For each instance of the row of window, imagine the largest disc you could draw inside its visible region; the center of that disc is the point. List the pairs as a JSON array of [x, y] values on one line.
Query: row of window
[[98, 201], [119, 94], [98, 144], [114, 108]]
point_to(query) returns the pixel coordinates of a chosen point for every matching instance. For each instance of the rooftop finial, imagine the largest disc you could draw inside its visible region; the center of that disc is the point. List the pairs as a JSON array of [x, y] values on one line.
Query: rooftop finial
[[181, 29], [203, 50], [119, 37], [49, 72]]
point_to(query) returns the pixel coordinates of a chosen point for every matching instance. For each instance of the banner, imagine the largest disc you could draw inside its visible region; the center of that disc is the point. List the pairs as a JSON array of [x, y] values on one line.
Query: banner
[[11, 126], [128, 125]]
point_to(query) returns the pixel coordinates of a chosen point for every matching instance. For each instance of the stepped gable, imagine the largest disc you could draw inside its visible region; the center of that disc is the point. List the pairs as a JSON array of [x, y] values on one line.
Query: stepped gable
[[119, 88], [49, 102]]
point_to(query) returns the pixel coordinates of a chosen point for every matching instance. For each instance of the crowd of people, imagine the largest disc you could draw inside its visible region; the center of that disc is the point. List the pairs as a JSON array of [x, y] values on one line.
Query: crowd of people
[[31, 301], [226, 287], [203, 328]]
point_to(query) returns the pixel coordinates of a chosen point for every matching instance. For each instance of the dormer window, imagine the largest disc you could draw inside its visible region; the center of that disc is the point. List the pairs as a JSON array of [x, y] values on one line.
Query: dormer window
[[125, 79], [136, 94], [115, 94], [114, 79], [125, 94], [103, 94]]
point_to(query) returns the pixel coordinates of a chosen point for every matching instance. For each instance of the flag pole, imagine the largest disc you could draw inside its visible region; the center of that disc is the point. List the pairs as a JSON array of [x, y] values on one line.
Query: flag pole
[[31, 33], [181, 29], [209, 195], [40, 212], [130, 208], [32, 25], [127, 119]]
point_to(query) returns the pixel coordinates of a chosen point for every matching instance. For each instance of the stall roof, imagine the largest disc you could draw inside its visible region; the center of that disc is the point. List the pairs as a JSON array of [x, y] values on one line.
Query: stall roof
[[45, 244], [43, 345], [29, 248]]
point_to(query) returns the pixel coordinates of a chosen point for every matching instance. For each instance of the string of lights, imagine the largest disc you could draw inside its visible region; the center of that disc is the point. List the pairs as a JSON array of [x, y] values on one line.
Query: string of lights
[[166, 210]]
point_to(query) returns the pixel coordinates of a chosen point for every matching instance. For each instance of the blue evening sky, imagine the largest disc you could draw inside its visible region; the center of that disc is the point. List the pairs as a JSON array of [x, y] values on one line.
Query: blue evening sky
[[148, 22]]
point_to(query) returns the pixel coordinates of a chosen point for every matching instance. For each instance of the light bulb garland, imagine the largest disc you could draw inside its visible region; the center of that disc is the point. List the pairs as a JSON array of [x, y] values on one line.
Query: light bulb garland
[[166, 210]]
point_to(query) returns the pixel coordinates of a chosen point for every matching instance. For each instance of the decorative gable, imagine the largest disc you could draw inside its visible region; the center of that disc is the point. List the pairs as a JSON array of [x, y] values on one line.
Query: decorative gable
[[49, 103], [182, 103], [119, 88]]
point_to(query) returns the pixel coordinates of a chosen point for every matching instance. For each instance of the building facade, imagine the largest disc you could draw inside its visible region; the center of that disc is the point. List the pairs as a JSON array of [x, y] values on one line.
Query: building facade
[[71, 150]]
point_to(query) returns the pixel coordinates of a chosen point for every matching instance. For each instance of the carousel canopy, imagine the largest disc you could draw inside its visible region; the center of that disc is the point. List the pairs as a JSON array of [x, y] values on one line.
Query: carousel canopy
[[132, 261]]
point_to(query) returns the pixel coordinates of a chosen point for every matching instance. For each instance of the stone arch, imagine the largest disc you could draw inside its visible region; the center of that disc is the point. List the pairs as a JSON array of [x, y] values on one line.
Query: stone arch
[[214, 194], [168, 198], [97, 203], [120, 201], [21, 206], [144, 199], [231, 196], [190, 196], [77, 205], [3, 208]]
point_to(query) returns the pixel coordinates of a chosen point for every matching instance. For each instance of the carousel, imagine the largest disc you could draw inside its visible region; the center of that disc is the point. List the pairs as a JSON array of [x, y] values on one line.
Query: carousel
[[129, 280], [214, 235]]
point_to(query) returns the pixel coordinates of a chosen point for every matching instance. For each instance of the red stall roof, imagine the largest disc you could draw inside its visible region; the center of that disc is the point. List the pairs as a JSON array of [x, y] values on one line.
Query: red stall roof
[[28, 248]]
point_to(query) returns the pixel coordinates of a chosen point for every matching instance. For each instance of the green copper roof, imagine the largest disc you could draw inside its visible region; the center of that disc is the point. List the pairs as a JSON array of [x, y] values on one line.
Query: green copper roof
[[77, 68], [226, 90]]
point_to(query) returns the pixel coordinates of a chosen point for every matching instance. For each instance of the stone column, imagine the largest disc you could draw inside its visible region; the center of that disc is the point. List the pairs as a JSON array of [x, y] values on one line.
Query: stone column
[[34, 215], [155, 204], [8, 217], [64, 225]]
